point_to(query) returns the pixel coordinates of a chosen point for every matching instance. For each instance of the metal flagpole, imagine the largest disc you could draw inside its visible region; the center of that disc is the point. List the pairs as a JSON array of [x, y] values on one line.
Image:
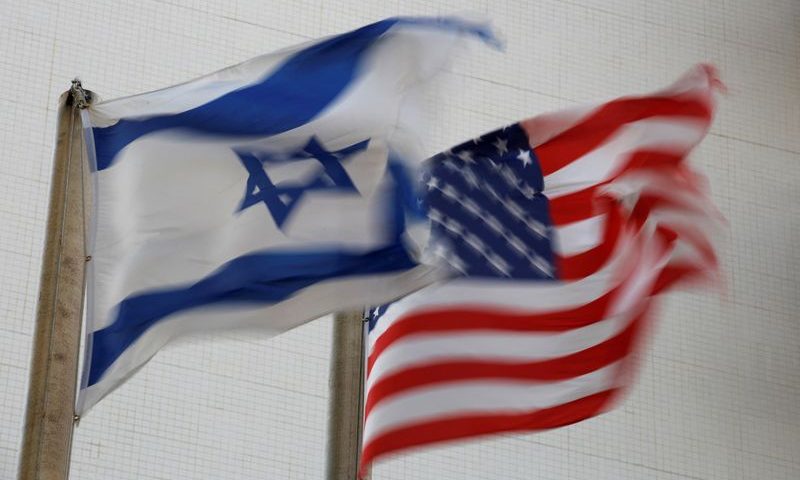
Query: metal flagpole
[[50, 414], [346, 393]]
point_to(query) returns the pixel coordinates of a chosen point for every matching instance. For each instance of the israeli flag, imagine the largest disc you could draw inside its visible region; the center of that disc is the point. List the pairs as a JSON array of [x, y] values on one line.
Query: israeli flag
[[263, 195]]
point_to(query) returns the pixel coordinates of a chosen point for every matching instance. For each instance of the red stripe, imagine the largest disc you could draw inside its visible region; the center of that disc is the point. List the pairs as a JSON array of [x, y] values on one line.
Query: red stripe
[[585, 136], [465, 319], [578, 206], [589, 202], [576, 267], [650, 201], [553, 369], [672, 275], [473, 425]]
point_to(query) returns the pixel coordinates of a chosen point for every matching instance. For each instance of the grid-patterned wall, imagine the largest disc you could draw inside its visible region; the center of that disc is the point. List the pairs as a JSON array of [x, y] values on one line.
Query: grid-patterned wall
[[719, 395]]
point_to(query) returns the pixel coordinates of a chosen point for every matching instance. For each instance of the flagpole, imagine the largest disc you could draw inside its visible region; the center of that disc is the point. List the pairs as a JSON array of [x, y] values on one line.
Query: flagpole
[[346, 388], [50, 414]]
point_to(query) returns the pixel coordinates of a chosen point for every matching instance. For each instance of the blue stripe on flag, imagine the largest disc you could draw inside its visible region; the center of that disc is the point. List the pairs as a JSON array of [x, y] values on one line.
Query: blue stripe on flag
[[292, 96], [263, 278]]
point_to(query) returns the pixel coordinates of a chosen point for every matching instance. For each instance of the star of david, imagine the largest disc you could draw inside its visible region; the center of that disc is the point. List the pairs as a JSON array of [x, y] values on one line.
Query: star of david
[[281, 198]]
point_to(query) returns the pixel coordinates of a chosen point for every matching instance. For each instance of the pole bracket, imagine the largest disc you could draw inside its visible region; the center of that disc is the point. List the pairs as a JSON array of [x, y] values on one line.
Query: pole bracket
[[81, 98]]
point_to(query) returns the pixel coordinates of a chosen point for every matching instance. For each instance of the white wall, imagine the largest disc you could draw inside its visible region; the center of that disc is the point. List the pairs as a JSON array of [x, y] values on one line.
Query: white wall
[[719, 395]]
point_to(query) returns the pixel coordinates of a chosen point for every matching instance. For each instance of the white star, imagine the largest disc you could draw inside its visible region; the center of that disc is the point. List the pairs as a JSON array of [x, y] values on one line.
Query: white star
[[470, 177], [457, 263], [536, 227], [515, 209], [439, 250], [492, 192], [433, 183], [527, 191], [501, 145], [517, 244], [435, 215], [449, 192], [497, 262], [525, 157], [453, 226], [509, 176], [493, 223], [450, 165], [471, 207], [474, 242], [541, 264], [466, 156]]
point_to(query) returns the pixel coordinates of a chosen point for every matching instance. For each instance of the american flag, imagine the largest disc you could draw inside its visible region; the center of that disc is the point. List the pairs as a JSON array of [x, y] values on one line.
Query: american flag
[[560, 231]]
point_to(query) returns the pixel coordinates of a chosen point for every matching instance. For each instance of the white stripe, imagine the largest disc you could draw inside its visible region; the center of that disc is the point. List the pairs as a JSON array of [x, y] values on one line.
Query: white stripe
[[488, 345], [674, 135], [481, 397], [580, 236], [504, 296]]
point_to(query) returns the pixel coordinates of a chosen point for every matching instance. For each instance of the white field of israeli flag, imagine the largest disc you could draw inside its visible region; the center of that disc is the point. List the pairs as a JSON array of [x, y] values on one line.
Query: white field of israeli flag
[[263, 195]]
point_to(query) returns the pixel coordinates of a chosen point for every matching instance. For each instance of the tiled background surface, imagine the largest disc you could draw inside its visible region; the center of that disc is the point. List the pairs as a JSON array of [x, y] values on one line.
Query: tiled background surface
[[719, 394]]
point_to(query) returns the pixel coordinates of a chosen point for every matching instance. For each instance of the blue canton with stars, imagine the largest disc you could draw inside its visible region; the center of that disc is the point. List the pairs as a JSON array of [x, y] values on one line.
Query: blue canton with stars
[[280, 199], [488, 215]]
